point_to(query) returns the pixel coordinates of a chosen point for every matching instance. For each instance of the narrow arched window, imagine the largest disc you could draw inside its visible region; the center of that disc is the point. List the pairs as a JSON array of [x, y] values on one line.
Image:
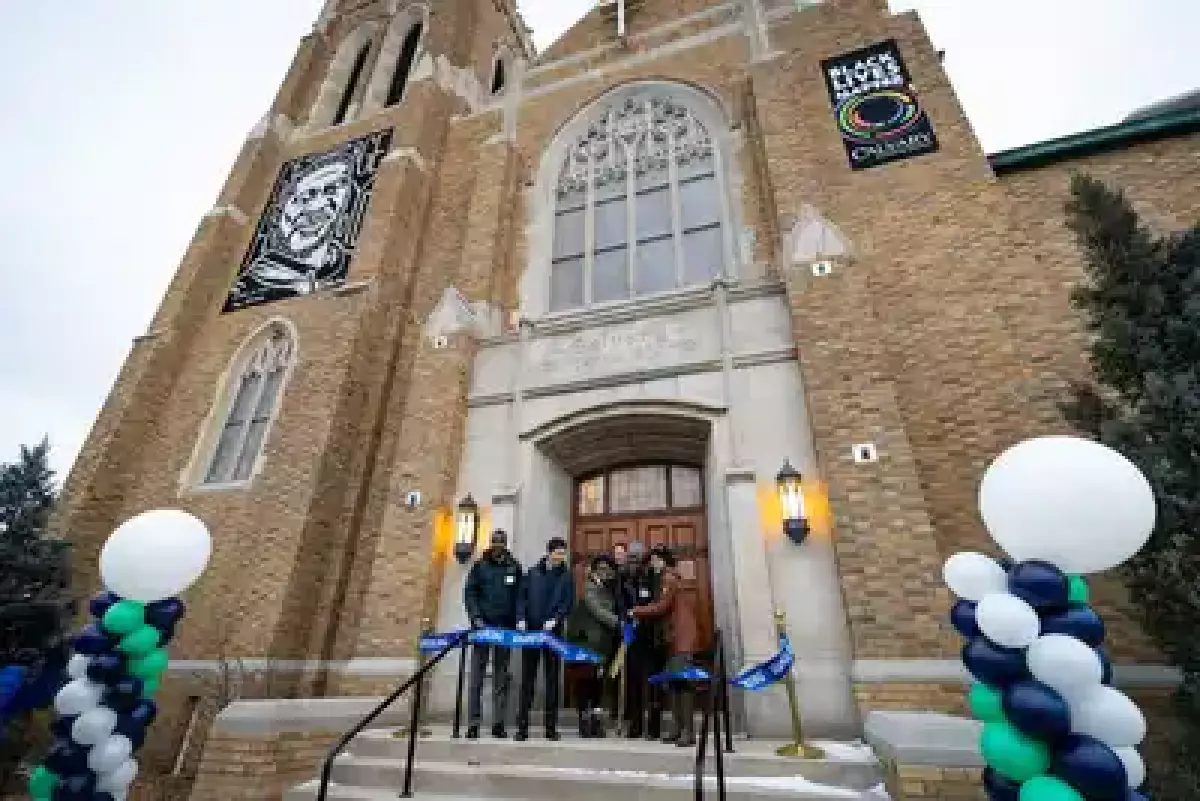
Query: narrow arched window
[[251, 401], [498, 77], [360, 63], [408, 52], [638, 206]]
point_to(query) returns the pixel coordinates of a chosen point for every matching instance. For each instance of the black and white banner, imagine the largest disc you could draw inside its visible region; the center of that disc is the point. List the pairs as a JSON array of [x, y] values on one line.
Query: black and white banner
[[878, 114], [309, 229]]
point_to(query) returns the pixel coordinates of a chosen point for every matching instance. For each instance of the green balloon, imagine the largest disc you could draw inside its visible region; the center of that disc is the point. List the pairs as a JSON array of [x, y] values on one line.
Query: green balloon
[[124, 617], [1011, 753], [150, 665], [1048, 788], [1078, 589], [42, 783], [150, 687], [986, 702], [140, 641]]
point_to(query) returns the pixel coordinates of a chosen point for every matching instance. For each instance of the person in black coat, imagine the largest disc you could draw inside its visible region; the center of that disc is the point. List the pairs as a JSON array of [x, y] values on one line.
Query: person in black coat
[[547, 596], [491, 594], [643, 658]]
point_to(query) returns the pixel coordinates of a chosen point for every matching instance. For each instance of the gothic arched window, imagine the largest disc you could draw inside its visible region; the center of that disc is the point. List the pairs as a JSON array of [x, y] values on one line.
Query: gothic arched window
[[249, 404], [638, 204], [404, 64]]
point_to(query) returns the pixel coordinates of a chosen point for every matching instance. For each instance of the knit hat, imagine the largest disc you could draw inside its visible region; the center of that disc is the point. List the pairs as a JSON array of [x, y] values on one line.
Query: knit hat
[[499, 536]]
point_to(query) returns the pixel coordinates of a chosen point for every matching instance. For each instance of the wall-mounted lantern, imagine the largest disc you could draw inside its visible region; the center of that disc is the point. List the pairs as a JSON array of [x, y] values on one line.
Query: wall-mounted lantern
[[791, 501], [466, 529]]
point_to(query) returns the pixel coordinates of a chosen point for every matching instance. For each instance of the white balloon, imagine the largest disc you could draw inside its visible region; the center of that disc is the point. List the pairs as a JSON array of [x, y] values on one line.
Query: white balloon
[[972, 575], [1109, 716], [110, 754], [78, 696], [94, 726], [118, 781], [1064, 664], [1077, 504], [156, 555], [77, 667], [1007, 620], [1135, 768]]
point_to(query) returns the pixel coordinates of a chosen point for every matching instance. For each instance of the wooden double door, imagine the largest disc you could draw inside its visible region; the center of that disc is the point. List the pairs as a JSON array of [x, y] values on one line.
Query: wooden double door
[[683, 532]]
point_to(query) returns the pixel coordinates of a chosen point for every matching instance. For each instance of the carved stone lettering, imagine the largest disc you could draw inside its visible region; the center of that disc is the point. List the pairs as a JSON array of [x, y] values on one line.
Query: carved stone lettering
[[638, 346]]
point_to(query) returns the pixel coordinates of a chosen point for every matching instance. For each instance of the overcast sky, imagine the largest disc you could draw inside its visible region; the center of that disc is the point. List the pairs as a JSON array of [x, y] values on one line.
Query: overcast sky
[[122, 117]]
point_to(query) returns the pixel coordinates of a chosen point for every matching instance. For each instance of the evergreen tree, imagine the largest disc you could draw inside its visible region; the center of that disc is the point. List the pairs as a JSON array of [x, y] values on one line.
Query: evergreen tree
[[34, 602], [1141, 301]]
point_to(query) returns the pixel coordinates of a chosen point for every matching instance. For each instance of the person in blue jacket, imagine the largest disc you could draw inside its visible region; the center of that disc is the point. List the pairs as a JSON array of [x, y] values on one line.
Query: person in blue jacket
[[547, 595]]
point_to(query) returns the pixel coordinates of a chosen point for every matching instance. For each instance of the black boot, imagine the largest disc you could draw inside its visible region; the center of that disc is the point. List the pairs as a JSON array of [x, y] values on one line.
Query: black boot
[[654, 722], [599, 725], [687, 714], [585, 724], [674, 730]]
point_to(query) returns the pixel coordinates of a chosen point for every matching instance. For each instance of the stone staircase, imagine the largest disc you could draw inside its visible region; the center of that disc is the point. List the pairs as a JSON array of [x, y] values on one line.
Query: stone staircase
[[588, 770]]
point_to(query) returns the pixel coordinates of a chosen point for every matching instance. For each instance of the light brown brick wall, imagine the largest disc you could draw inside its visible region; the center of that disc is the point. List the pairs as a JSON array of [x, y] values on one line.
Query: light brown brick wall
[[243, 768], [945, 339], [947, 697], [927, 783]]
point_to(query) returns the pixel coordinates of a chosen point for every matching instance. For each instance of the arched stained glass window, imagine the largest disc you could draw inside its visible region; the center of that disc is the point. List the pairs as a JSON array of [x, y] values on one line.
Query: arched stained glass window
[[251, 401], [638, 207]]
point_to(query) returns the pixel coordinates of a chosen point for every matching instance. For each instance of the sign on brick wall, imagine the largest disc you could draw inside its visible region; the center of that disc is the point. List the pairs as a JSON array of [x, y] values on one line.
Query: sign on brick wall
[[877, 112], [309, 229]]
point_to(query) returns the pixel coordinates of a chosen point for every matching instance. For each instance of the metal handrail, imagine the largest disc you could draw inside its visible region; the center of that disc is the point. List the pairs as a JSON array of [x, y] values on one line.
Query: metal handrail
[[334, 752], [716, 710]]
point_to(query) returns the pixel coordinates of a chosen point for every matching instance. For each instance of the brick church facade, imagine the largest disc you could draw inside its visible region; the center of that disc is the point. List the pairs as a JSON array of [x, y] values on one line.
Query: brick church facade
[[607, 290]]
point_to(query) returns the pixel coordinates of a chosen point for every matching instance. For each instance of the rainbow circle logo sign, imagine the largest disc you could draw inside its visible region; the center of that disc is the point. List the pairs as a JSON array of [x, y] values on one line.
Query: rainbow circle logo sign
[[877, 112]]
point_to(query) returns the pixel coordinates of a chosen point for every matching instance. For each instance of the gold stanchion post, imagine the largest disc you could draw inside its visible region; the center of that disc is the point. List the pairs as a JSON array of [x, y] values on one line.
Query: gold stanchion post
[[426, 628], [797, 748]]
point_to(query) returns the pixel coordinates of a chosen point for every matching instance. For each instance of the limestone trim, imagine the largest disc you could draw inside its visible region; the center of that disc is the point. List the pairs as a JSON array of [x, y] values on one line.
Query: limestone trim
[[584, 56], [334, 86], [375, 97], [232, 212], [276, 341], [700, 412], [899, 671], [709, 115], [588, 76]]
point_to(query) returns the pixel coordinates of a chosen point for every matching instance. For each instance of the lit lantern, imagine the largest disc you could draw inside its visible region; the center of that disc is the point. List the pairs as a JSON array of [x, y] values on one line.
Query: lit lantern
[[466, 529], [791, 501]]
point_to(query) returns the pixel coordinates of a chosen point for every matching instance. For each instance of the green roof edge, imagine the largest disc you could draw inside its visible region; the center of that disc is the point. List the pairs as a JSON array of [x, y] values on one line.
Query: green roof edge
[[1160, 126]]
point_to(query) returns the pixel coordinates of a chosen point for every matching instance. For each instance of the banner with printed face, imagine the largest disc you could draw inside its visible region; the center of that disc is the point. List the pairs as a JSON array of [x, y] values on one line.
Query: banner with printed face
[[877, 112]]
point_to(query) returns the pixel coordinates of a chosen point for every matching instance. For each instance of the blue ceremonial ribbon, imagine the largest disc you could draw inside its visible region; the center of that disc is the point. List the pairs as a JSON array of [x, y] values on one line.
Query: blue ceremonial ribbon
[[628, 631], [689, 673], [12, 677], [509, 638], [767, 673]]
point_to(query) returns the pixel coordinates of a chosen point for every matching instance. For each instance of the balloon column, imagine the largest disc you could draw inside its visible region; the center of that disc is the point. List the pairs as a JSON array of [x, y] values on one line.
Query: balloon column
[[104, 710], [1054, 727]]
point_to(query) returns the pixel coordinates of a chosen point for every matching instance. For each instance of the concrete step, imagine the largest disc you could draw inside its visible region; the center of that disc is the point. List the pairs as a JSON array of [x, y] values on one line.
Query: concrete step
[[853, 767], [362, 778]]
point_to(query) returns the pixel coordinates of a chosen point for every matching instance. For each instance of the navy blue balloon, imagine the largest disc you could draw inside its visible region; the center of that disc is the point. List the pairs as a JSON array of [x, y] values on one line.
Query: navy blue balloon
[[92, 640], [123, 696], [1039, 584], [1077, 620], [77, 787], [999, 787], [106, 668], [164, 614], [962, 616], [66, 757], [60, 727], [1037, 710], [1092, 768], [101, 603], [133, 724], [992, 664], [1106, 666]]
